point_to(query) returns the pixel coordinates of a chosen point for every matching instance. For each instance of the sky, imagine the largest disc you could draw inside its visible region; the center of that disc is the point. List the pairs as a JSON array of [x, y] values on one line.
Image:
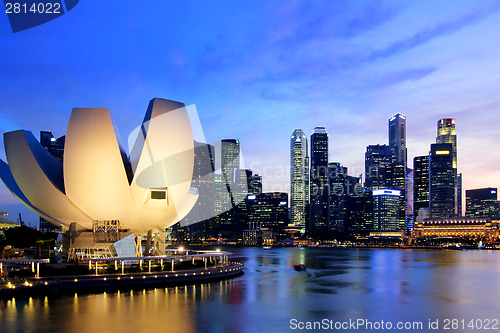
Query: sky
[[257, 70]]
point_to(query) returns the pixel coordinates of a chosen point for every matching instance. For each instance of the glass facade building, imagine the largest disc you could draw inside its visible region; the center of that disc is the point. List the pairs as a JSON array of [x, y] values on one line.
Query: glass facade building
[[299, 179], [378, 159], [359, 214], [441, 181], [230, 159], [420, 184], [56, 148], [386, 210], [319, 190], [482, 202], [397, 137], [446, 134]]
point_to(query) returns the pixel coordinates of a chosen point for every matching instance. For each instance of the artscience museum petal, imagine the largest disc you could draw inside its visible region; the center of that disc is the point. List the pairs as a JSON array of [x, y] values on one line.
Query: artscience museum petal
[[149, 189]]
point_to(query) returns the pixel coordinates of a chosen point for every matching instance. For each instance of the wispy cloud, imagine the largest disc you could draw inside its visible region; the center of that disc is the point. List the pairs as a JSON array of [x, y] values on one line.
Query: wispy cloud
[[396, 77], [439, 30]]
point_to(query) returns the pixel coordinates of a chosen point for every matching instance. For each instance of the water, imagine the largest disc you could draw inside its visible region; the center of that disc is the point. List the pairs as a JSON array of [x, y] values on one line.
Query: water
[[338, 285]]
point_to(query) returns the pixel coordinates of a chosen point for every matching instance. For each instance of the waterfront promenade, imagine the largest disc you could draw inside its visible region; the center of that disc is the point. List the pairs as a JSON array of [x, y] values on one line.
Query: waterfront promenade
[[121, 279]]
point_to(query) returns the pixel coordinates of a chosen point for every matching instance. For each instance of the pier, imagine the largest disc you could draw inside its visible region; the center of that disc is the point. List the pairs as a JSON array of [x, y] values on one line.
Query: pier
[[124, 277]]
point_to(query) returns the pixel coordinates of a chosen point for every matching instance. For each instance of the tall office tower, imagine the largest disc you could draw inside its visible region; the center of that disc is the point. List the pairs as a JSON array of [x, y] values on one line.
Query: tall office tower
[[359, 214], [230, 159], [442, 181], [341, 187], [203, 181], [396, 180], [459, 195], [378, 159], [409, 201], [446, 134], [319, 181], [244, 178], [397, 137], [337, 178], [241, 187], [233, 184], [299, 179], [55, 147], [222, 205], [482, 202], [420, 185], [386, 210], [397, 142]]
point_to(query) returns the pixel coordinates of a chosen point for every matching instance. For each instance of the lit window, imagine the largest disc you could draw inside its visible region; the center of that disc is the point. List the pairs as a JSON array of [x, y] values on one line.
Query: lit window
[[160, 195]]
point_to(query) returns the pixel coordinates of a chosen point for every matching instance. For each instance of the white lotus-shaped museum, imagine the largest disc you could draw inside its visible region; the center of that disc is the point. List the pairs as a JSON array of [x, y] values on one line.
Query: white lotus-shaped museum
[[149, 188]]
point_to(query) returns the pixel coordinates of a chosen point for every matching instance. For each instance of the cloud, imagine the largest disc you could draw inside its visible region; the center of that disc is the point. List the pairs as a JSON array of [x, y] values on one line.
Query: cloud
[[439, 30], [396, 77]]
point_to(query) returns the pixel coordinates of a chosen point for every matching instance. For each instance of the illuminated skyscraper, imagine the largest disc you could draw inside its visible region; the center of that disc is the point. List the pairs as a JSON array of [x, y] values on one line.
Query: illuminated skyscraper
[[397, 137], [319, 181], [446, 134], [230, 159], [359, 214], [397, 143], [386, 210], [203, 181], [459, 195], [341, 187], [299, 179], [442, 181], [420, 184], [378, 161], [56, 148]]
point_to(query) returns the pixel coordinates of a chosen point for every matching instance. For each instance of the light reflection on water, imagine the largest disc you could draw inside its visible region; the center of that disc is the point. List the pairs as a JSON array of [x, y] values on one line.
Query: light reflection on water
[[339, 284]]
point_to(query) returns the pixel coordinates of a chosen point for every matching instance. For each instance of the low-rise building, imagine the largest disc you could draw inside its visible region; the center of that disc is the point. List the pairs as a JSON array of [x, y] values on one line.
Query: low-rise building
[[458, 227]]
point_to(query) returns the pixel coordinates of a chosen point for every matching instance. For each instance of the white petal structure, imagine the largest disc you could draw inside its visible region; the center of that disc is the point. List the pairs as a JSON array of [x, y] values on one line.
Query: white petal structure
[[97, 181]]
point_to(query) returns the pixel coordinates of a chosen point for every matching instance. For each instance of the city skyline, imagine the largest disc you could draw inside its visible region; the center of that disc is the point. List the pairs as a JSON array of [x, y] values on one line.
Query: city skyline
[[256, 81]]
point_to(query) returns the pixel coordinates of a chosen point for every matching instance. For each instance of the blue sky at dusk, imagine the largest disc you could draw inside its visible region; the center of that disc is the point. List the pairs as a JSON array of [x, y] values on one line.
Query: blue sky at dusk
[[256, 70]]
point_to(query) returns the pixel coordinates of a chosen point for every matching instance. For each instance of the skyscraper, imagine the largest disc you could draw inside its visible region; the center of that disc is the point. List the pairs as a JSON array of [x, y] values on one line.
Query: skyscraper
[[420, 185], [55, 147], [383, 173], [378, 159], [299, 179], [397, 137], [409, 201], [229, 191], [397, 142], [230, 159], [446, 134], [341, 186], [203, 181], [459, 195], [442, 181], [386, 210], [337, 177], [319, 181], [359, 214]]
